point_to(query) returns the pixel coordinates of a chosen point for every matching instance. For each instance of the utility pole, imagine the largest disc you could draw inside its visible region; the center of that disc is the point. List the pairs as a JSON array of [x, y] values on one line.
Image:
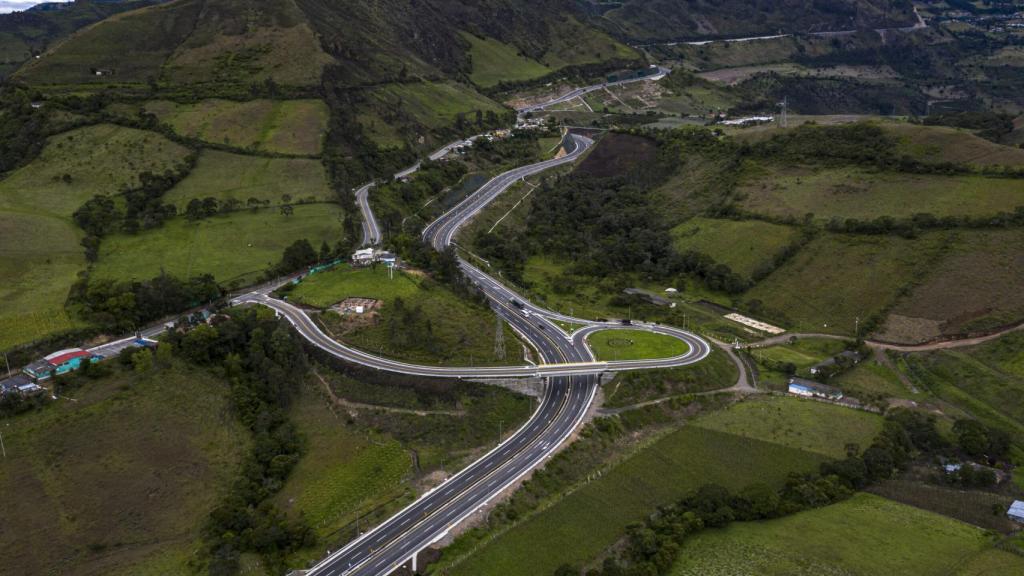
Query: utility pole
[[6, 361], [2, 447], [856, 328], [783, 118], [501, 423]]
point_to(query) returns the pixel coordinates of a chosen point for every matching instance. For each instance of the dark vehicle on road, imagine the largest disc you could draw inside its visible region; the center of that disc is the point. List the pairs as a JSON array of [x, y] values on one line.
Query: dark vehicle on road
[[626, 322], [516, 303]]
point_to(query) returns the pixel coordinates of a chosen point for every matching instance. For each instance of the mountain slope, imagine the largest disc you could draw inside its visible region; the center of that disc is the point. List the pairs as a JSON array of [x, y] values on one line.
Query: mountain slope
[[189, 42], [24, 34], [663, 20]]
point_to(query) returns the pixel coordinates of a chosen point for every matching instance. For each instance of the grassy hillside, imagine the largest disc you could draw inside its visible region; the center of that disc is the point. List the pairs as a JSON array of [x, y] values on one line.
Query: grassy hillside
[[282, 126], [189, 41], [671, 20], [236, 247], [225, 176], [586, 522], [863, 535], [121, 479], [975, 287], [29, 32], [495, 62], [864, 194], [801, 424], [942, 144], [824, 287], [743, 246], [40, 256]]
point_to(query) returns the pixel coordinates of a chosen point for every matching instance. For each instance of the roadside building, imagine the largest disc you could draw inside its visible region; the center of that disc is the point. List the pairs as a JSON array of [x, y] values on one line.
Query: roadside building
[[812, 389], [59, 362], [19, 384], [846, 357], [363, 257], [1016, 511]]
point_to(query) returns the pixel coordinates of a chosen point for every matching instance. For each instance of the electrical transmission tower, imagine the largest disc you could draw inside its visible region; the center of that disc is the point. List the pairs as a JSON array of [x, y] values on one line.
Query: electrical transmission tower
[[499, 338], [783, 119]]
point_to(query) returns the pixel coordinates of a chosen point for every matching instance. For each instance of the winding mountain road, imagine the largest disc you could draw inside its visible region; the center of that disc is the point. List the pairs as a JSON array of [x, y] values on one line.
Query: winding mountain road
[[568, 366]]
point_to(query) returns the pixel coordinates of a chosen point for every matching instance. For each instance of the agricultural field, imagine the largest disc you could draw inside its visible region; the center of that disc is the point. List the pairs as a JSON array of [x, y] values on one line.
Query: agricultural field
[[824, 288], [634, 345], [233, 248], [984, 381], [227, 176], [743, 245], [870, 379], [864, 535], [120, 480], [281, 126], [803, 353], [495, 62], [943, 144], [589, 520], [715, 372], [851, 192], [976, 287], [76, 165], [453, 330], [43, 257], [584, 524], [800, 424]]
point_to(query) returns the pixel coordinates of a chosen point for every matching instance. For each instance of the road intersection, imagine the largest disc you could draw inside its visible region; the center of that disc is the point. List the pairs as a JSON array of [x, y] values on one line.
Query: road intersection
[[569, 368]]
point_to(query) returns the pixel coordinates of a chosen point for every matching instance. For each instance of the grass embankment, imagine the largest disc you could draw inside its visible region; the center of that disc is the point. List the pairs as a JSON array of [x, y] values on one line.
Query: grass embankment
[[448, 329], [224, 176], [865, 194], [634, 345], [40, 256], [282, 126], [715, 372], [860, 536], [236, 247], [363, 459], [826, 286], [120, 480], [344, 471], [577, 528], [743, 245], [495, 62]]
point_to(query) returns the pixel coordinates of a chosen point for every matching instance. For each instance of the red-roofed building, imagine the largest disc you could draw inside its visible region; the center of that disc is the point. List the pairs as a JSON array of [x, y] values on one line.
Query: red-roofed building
[[59, 362]]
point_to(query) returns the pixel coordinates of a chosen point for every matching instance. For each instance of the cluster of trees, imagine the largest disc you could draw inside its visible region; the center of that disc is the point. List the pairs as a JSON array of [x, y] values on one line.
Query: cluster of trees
[[143, 208], [409, 328], [22, 127], [122, 306], [988, 124], [653, 546], [301, 254], [264, 362]]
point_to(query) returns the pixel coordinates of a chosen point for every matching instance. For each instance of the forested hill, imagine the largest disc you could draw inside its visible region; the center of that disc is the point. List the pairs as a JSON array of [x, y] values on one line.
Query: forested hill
[[665, 20]]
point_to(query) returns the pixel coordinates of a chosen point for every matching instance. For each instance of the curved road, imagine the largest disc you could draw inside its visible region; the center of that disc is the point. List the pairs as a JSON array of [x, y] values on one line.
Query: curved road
[[567, 364]]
